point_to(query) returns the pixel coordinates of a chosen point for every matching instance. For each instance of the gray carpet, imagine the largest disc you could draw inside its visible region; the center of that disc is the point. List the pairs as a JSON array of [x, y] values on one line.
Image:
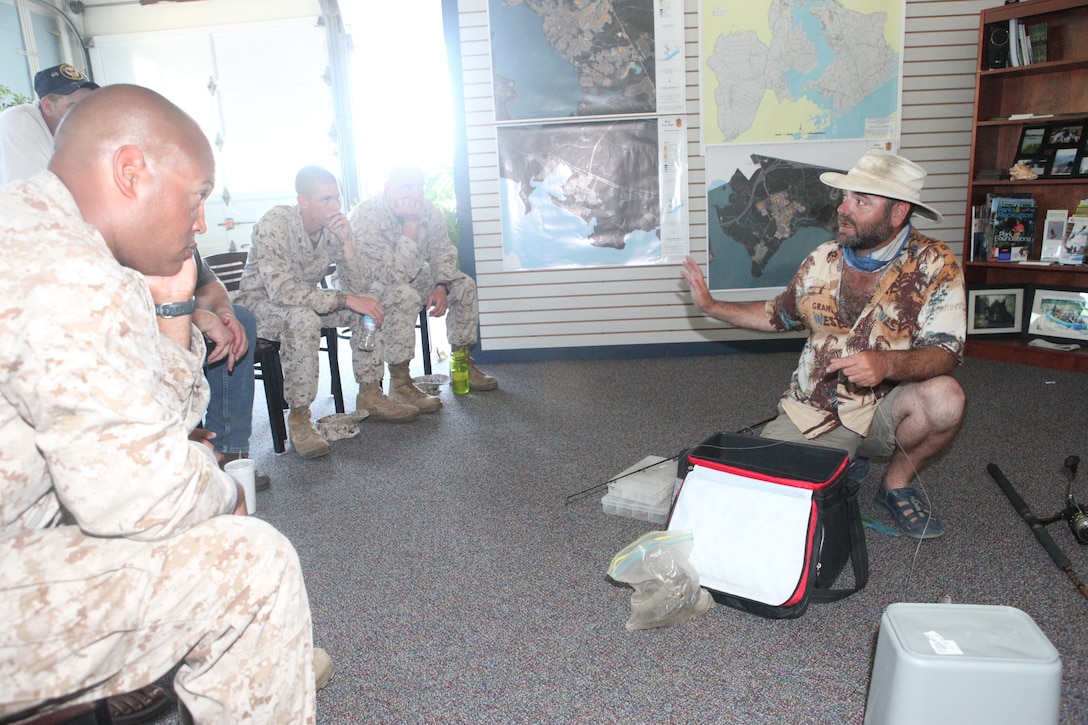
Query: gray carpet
[[452, 582]]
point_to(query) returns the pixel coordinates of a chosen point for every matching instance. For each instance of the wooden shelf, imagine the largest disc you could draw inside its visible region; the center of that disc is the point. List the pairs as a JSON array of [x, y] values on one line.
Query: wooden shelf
[[1059, 89], [1018, 351]]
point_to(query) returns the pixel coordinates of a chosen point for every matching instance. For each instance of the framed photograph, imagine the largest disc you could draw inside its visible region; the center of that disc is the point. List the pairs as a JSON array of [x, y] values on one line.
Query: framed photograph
[[1064, 162], [1064, 135], [1058, 314], [1037, 164], [1031, 140], [995, 310]]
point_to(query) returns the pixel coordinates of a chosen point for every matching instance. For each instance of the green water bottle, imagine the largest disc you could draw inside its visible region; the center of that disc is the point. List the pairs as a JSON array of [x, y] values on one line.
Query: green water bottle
[[459, 371]]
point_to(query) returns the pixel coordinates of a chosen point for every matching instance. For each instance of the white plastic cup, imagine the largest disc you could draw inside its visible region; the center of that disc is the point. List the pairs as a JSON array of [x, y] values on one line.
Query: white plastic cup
[[243, 471]]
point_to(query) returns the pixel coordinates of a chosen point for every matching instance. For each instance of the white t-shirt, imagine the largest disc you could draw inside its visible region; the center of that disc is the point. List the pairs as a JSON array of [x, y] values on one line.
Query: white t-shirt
[[26, 144]]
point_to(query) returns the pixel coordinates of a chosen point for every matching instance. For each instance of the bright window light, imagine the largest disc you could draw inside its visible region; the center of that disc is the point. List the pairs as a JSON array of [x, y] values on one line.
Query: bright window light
[[400, 87]]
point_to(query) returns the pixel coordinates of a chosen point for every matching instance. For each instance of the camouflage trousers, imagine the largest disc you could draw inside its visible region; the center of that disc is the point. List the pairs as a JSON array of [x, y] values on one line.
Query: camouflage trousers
[[402, 303], [298, 330], [95, 617]]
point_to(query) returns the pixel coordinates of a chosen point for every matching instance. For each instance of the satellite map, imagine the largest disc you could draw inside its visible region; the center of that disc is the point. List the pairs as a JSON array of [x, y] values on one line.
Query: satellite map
[[567, 187], [781, 69], [558, 58], [783, 206]]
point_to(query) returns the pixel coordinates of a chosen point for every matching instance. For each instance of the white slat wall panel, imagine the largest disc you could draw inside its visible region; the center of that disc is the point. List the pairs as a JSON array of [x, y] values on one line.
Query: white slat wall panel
[[612, 306]]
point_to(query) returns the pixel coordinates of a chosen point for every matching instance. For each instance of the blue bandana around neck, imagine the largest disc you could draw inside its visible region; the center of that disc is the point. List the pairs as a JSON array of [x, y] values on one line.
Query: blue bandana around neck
[[875, 262]]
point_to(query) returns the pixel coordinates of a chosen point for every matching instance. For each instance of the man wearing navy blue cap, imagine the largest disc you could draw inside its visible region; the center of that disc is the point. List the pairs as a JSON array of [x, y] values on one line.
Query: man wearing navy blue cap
[[26, 131]]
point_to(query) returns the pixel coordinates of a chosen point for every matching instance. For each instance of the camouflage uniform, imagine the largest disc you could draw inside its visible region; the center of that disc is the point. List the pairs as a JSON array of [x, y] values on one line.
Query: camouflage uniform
[[402, 273], [116, 558], [280, 287]]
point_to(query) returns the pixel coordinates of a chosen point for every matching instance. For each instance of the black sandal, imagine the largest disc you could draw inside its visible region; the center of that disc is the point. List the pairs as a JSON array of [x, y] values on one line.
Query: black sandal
[[910, 513]]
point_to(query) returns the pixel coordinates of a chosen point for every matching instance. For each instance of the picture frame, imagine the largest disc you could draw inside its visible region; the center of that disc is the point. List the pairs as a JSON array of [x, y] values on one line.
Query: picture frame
[[995, 310], [1031, 141], [1054, 150], [1058, 314]]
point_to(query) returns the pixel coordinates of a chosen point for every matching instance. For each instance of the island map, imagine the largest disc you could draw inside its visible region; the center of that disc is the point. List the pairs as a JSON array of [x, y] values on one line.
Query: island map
[[762, 226], [778, 70], [559, 58], [580, 194]]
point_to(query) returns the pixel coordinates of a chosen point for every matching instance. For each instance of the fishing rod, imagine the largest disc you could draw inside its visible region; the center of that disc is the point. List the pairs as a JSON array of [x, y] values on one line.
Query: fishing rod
[[1075, 515], [748, 429]]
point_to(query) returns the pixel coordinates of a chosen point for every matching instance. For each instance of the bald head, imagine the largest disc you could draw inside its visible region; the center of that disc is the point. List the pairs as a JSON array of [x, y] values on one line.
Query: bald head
[[405, 181], [140, 170], [126, 115]]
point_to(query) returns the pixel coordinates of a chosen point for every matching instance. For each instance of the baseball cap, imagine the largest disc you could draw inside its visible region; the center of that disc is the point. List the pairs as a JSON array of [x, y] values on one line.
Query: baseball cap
[[61, 79]]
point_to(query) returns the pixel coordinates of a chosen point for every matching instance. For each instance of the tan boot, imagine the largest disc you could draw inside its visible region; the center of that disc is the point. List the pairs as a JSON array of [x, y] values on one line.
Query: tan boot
[[478, 379], [403, 390], [304, 437], [323, 668], [373, 401]]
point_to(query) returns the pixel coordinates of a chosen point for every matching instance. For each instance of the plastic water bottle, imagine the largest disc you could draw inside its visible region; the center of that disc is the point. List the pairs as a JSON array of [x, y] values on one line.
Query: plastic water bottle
[[459, 371], [370, 334]]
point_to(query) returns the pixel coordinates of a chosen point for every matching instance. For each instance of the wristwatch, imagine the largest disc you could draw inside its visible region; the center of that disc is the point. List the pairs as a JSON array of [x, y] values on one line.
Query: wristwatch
[[443, 285], [176, 309]]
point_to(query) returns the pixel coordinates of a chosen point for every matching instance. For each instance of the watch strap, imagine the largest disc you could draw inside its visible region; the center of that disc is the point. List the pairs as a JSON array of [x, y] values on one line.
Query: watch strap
[[176, 309]]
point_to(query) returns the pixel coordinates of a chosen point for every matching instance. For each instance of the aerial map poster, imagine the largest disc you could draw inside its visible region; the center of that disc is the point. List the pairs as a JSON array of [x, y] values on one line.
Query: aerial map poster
[[780, 70], [770, 211], [555, 59], [593, 193]]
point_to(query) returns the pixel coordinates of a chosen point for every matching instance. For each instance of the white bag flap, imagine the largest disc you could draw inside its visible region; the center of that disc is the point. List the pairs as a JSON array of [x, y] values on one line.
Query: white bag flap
[[750, 535]]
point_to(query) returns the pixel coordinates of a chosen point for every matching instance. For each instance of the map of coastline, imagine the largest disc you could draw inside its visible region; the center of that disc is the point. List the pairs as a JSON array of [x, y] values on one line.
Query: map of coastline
[[781, 69], [568, 187], [559, 58], [782, 204]]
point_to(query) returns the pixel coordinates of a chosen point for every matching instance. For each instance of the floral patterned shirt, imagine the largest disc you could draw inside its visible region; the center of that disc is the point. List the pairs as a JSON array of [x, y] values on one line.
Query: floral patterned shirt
[[919, 301]]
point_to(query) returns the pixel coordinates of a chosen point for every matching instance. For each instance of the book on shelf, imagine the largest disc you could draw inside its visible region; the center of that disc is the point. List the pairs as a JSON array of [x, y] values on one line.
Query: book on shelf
[[978, 235], [1011, 229], [1025, 43], [1037, 41], [1014, 33], [1076, 238], [1054, 229]]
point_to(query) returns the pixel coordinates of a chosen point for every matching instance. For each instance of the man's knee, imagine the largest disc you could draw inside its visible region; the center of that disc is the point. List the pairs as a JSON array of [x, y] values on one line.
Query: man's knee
[[941, 399]]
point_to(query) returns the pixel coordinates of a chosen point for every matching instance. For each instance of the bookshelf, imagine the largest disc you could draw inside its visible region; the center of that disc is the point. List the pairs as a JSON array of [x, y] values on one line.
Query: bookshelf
[[1054, 91]]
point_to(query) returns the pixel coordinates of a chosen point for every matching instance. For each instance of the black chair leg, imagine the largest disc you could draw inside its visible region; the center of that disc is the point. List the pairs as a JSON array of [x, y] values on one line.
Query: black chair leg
[[425, 340], [272, 377], [332, 347]]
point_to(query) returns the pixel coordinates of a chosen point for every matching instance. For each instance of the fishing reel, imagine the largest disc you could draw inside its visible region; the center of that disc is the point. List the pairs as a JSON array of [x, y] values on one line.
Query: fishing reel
[[1074, 513]]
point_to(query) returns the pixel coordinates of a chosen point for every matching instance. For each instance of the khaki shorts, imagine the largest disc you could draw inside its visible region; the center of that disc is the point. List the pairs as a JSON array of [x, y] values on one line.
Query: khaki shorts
[[879, 443]]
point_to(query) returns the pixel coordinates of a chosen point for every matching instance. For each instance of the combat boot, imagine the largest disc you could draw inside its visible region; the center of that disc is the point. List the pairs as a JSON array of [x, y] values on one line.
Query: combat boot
[[304, 437], [477, 378], [373, 401], [403, 390]]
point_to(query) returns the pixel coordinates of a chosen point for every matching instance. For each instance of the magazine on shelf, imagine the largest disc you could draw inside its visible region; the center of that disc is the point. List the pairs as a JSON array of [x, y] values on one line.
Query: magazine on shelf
[[1012, 225], [1054, 229], [1075, 241]]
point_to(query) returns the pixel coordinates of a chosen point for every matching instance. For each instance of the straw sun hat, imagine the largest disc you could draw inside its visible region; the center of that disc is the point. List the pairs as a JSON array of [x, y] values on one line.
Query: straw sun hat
[[885, 174]]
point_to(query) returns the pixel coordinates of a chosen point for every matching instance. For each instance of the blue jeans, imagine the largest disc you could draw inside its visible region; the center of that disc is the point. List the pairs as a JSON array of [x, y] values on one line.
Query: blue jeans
[[230, 410]]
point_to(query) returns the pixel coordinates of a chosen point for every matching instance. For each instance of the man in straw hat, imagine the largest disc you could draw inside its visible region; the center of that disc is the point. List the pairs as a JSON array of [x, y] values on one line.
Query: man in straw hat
[[885, 312]]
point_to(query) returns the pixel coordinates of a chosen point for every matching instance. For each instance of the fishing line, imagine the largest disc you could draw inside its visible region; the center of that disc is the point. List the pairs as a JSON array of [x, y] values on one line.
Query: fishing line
[[746, 430], [920, 483]]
